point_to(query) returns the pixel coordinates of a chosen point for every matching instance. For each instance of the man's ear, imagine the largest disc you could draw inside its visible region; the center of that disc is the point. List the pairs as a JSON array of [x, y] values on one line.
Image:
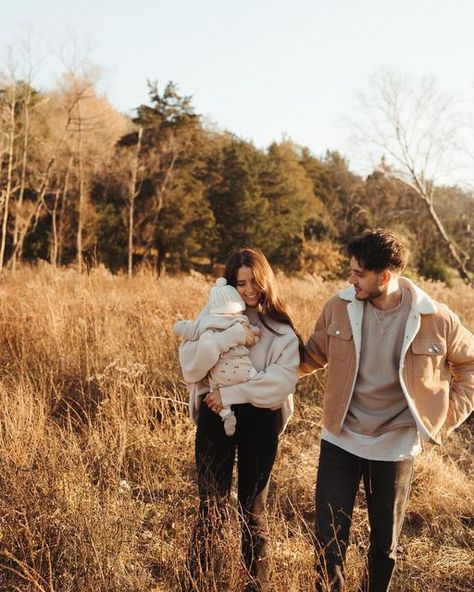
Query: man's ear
[[386, 276]]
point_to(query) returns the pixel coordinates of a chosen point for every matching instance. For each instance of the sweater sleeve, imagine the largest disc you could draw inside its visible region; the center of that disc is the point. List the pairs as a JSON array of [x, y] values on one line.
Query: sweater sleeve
[[185, 329], [198, 357], [271, 387]]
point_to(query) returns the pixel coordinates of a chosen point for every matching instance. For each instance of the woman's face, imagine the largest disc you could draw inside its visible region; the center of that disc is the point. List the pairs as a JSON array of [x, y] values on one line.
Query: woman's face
[[247, 287]]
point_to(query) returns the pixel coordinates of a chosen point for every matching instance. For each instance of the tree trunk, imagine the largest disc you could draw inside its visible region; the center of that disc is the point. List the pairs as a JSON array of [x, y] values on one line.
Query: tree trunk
[[8, 188], [426, 193], [160, 257], [133, 195], [24, 162], [62, 210], [54, 228], [81, 193], [458, 263]]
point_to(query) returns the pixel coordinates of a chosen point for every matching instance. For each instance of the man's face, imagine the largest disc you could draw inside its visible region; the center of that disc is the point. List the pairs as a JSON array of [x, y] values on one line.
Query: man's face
[[369, 285]]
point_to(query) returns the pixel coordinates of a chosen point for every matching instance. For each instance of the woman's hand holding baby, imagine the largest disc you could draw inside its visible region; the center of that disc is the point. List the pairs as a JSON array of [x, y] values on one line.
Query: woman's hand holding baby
[[213, 401]]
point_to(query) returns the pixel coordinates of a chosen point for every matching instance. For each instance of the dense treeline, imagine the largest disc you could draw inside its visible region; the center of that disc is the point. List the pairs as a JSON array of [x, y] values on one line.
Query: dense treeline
[[81, 183]]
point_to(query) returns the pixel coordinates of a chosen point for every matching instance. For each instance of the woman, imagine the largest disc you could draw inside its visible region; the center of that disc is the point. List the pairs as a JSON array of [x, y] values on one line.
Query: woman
[[262, 406]]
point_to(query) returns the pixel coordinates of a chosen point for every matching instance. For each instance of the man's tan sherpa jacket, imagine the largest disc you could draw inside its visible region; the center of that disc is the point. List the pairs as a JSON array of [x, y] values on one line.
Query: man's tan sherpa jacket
[[436, 363]]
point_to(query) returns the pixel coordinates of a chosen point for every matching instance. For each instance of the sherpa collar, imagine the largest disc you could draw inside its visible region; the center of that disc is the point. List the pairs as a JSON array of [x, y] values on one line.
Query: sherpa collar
[[421, 302]]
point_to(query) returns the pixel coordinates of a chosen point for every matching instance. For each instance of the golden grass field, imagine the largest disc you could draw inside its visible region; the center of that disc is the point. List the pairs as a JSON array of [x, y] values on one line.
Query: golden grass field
[[97, 490]]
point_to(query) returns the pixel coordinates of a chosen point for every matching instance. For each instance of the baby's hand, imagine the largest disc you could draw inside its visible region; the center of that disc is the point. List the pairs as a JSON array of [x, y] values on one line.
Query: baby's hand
[[250, 337], [256, 331]]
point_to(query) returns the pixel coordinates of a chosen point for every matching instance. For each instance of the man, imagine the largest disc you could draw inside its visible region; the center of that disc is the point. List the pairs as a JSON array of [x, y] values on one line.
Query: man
[[400, 371]]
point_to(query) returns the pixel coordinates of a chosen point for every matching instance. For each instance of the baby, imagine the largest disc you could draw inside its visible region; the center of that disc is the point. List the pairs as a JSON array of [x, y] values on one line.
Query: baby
[[233, 366]]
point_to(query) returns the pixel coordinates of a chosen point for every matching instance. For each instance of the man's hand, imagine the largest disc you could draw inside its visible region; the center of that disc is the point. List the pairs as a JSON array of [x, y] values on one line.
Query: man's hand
[[213, 401], [304, 369]]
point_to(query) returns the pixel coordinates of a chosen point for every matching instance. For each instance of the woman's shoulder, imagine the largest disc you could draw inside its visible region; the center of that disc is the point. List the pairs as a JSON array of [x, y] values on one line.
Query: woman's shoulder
[[282, 329], [282, 340]]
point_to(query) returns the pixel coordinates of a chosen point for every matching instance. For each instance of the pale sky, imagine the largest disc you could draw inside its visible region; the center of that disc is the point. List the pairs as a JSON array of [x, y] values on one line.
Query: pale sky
[[262, 70]]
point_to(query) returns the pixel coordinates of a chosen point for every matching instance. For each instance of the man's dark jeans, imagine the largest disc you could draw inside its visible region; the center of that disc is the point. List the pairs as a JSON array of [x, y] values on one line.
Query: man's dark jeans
[[256, 442], [387, 486]]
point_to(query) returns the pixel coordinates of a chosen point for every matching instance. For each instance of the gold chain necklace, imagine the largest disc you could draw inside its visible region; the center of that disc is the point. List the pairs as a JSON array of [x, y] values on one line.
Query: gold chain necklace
[[379, 322], [382, 329]]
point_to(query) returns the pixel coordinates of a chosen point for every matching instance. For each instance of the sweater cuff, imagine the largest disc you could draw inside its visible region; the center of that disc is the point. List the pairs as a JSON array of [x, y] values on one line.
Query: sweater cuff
[[231, 395], [230, 337]]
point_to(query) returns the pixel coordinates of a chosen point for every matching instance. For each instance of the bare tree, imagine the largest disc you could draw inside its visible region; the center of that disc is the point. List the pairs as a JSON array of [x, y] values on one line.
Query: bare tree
[[415, 131], [78, 87], [93, 128], [22, 109], [19, 106], [133, 192], [80, 131], [51, 146], [58, 211], [9, 105], [28, 216]]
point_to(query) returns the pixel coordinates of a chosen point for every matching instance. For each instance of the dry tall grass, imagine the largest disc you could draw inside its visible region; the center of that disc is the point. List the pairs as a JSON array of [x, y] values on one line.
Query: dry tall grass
[[97, 490]]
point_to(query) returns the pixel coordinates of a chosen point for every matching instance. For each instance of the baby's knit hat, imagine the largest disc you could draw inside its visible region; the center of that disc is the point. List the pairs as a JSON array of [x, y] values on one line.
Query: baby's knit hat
[[225, 299]]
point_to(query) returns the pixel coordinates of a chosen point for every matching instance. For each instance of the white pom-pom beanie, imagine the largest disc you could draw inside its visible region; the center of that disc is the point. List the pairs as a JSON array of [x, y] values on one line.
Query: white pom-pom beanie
[[225, 299]]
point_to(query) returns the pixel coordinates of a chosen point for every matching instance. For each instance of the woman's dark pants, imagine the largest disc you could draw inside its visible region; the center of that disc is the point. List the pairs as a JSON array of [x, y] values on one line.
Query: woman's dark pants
[[256, 442], [387, 486]]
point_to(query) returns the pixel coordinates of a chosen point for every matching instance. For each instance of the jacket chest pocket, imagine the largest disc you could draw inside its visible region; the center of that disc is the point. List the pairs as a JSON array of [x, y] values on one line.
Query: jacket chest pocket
[[429, 357], [340, 339]]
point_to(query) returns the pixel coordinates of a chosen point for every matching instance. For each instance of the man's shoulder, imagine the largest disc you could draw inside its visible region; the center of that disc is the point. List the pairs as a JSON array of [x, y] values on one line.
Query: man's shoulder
[[336, 303], [334, 310], [431, 310], [442, 311], [442, 316]]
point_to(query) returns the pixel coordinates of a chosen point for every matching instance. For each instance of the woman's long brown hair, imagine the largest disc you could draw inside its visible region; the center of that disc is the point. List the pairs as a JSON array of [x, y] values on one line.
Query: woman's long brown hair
[[271, 305]]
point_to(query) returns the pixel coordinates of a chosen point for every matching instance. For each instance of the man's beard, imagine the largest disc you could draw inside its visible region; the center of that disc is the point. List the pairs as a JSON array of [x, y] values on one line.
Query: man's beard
[[371, 295]]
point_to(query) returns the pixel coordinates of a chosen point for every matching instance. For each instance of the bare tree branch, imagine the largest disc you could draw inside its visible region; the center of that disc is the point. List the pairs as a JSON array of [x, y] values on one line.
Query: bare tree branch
[[417, 129]]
